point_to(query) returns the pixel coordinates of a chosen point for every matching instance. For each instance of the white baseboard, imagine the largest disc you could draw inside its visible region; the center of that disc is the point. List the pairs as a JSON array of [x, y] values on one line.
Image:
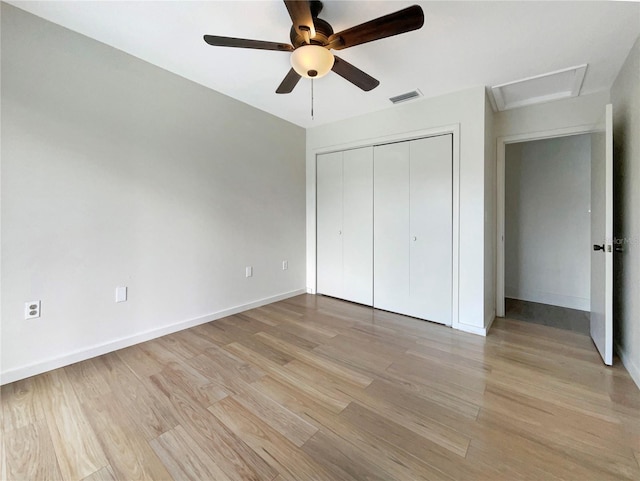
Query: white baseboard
[[481, 331], [570, 302], [487, 325], [632, 368], [100, 349]]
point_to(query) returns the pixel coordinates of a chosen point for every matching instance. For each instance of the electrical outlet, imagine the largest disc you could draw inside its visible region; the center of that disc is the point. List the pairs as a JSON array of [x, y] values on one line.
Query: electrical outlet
[[248, 272], [31, 309], [285, 265]]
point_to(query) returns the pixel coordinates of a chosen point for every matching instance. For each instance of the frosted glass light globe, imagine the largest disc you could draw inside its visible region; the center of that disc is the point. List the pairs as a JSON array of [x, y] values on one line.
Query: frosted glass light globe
[[312, 61]]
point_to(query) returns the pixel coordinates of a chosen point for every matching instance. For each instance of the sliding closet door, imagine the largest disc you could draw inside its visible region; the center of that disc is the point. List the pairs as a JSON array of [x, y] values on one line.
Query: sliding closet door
[[391, 264], [357, 231], [329, 224], [431, 228]]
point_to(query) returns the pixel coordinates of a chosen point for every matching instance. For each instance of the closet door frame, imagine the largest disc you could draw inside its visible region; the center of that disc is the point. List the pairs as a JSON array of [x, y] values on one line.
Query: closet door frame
[[454, 130]]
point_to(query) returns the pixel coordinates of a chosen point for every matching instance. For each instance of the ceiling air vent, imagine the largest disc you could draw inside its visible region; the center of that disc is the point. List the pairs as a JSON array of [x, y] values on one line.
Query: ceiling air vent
[[414, 94]]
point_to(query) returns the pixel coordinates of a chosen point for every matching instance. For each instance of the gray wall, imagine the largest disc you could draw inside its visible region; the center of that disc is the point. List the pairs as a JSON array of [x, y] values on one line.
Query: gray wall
[[116, 172], [625, 96], [547, 221]]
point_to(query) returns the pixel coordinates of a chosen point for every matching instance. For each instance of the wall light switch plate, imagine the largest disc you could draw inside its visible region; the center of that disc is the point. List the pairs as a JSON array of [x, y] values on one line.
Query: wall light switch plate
[[248, 271], [285, 265], [121, 294]]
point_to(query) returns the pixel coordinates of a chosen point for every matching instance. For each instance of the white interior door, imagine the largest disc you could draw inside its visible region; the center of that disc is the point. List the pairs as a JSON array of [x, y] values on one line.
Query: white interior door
[[357, 225], [329, 224], [431, 220], [602, 239], [391, 227]]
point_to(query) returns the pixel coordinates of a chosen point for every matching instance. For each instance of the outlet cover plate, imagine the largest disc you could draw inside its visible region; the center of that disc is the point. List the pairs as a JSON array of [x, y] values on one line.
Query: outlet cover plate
[[32, 309]]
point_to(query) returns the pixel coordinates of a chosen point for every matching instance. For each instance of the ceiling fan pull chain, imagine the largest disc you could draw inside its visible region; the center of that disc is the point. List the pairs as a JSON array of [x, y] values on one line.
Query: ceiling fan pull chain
[[311, 99]]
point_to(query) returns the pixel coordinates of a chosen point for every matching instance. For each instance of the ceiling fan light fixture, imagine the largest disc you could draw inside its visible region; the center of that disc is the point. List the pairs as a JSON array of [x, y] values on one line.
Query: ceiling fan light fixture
[[312, 61]]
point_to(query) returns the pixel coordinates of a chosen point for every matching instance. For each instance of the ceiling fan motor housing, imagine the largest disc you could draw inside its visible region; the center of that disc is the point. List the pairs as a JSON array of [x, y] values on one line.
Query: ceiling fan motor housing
[[323, 32]]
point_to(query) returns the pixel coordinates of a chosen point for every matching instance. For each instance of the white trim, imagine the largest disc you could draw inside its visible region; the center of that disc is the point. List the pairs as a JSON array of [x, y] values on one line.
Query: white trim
[[480, 331], [490, 323], [579, 73], [500, 197], [387, 139], [100, 349], [549, 298], [632, 368], [454, 130]]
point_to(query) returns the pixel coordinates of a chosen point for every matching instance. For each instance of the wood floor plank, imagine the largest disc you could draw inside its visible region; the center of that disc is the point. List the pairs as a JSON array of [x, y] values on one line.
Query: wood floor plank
[[308, 330], [75, 443], [3, 455], [249, 324], [314, 388], [397, 463], [330, 399], [235, 458], [158, 354], [318, 361], [441, 462], [297, 401], [341, 458], [230, 362], [20, 405], [523, 457], [357, 353], [215, 372], [280, 453], [559, 434], [184, 458], [290, 425], [104, 474], [128, 452], [271, 353], [29, 454], [199, 387], [86, 380], [435, 423], [152, 415]]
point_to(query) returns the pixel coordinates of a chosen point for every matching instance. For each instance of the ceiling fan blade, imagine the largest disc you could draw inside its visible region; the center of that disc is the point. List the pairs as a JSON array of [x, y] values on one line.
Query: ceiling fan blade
[[354, 75], [289, 82], [217, 41], [405, 20], [300, 13]]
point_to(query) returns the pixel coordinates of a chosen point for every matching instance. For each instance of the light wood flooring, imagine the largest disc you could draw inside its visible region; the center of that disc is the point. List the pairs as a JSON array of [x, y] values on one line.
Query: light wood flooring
[[313, 388]]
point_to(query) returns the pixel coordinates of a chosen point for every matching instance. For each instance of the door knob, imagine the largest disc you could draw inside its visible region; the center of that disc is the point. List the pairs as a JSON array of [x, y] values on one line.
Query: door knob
[[415, 238], [596, 247]]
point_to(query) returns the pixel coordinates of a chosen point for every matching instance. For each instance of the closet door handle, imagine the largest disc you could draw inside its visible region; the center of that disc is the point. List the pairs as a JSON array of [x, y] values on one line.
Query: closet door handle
[[339, 232], [415, 238], [596, 247]]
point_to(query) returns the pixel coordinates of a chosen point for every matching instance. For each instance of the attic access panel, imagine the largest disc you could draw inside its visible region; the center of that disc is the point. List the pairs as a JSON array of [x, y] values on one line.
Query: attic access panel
[[541, 88]]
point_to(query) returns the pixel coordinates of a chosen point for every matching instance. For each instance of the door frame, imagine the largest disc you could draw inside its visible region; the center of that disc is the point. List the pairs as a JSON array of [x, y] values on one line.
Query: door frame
[[454, 130], [500, 195]]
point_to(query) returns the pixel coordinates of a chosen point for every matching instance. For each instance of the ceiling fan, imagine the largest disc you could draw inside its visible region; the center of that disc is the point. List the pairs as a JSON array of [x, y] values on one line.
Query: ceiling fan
[[312, 39]]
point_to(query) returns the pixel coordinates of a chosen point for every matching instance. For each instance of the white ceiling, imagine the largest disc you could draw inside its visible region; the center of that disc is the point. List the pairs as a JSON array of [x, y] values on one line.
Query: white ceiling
[[462, 44]]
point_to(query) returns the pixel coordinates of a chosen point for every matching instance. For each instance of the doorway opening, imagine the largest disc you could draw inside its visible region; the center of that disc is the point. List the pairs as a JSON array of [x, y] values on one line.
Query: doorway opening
[[544, 256]]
